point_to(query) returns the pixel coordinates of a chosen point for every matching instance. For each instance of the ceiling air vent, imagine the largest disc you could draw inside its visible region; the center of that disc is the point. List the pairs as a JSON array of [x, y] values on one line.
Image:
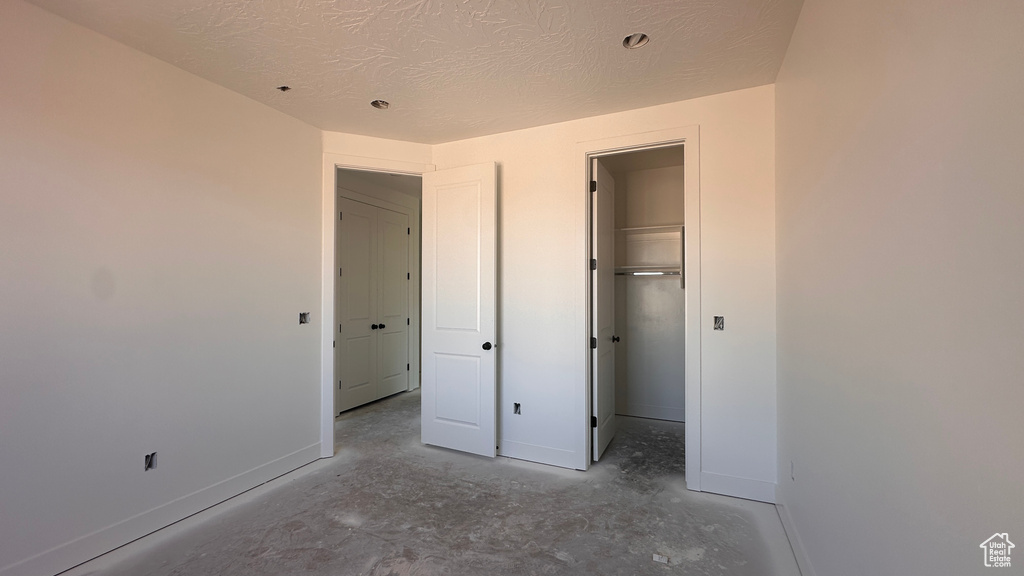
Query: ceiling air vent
[[634, 41]]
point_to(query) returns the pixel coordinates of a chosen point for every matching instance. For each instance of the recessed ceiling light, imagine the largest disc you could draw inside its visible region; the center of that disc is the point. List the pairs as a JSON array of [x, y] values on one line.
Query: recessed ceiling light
[[380, 104], [635, 40], [284, 88]]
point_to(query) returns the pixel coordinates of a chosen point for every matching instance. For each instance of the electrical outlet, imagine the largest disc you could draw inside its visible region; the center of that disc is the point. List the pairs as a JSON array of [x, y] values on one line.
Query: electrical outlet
[[719, 322], [792, 471], [150, 461], [516, 408]]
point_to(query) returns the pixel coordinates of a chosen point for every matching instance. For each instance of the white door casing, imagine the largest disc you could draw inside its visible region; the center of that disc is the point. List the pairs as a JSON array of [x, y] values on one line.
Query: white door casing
[[395, 201], [603, 238], [689, 137], [459, 309]]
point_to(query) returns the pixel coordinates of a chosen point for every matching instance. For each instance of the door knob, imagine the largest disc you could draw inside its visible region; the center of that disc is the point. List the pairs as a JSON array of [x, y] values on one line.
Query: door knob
[[615, 338], [381, 326], [373, 327], [487, 345]]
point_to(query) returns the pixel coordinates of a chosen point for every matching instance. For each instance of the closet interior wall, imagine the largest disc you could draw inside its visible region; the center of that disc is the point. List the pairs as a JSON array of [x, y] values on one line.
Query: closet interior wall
[[649, 307]]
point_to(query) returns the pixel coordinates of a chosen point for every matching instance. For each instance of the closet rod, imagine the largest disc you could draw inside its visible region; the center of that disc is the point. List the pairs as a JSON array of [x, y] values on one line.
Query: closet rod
[[670, 273]]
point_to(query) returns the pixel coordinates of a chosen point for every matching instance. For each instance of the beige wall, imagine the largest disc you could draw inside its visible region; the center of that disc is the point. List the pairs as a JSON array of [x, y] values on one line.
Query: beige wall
[[160, 236], [901, 330], [542, 282], [355, 147]]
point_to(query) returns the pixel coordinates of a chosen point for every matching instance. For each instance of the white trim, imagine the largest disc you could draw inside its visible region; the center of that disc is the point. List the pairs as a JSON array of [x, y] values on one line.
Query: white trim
[[803, 561], [738, 487], [377, 164], [637, 410], [95, 544], [689, 137], [538, 454], [331, 163]]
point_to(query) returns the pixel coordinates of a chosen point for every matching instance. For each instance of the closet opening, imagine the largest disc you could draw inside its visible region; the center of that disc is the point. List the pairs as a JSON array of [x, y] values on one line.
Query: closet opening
[[638, 304], [376, 288]]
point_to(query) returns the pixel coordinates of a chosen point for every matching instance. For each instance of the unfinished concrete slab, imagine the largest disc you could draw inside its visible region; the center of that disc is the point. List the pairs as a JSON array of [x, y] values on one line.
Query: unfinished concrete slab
[[388, 505]]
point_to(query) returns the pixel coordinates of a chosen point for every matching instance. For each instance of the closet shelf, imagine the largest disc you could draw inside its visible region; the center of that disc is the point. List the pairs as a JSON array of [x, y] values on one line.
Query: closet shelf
[[652, 229]]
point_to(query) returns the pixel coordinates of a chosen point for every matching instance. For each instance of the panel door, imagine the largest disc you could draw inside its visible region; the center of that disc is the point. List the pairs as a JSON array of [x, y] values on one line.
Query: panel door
[[392, 302], [355, 309], [603, 356], [459, 309]]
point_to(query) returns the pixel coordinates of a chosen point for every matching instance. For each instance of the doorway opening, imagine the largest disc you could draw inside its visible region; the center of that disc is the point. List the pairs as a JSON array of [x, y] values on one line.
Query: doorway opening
[[376, 340], [638, 298]]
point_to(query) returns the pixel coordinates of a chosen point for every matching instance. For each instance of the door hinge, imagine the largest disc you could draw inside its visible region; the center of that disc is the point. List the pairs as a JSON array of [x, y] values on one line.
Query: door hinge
[[593, 343], [593, 263], [407, 276], [593, 421], [339, 271], [406, 321], [339, 216], [339, 327], [406, 367], [593, 185], [334, 343], [408, 231]]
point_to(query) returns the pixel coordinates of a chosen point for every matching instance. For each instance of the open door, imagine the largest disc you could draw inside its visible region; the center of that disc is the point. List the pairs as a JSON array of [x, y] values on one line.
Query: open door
[[459, 309], [603, 343]]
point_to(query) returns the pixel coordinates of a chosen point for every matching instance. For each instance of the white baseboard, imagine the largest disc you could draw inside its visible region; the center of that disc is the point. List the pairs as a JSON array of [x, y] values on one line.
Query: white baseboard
[[739, 487], [541, 454], [89, 546], [651, 411], [794, 540]]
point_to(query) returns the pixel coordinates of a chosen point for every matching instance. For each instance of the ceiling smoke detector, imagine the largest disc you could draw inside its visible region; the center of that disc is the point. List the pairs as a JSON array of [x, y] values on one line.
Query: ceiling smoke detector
[[380, 104], [634, 41]]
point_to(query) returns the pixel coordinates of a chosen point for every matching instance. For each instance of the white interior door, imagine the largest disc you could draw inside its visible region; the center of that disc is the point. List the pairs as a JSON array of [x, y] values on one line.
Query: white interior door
[[355, 309], [603, 355], [459, 309], [392, 302]]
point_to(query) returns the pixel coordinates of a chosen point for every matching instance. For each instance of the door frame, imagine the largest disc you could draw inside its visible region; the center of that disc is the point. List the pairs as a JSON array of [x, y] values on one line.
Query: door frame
[[689, 138], [331, 164]]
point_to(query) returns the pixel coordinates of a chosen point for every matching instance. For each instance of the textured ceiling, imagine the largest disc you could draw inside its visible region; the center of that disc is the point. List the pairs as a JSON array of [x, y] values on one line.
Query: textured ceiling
[[453, 69]]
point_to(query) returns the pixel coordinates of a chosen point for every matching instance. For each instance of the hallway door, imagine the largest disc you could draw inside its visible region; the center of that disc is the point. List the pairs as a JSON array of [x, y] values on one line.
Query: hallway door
[[356, 305], [459, 309], [393, 302], [372, 307]]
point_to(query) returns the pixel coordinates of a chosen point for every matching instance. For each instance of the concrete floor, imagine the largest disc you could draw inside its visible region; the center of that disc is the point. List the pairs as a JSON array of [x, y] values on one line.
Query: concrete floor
[[388, 505]]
